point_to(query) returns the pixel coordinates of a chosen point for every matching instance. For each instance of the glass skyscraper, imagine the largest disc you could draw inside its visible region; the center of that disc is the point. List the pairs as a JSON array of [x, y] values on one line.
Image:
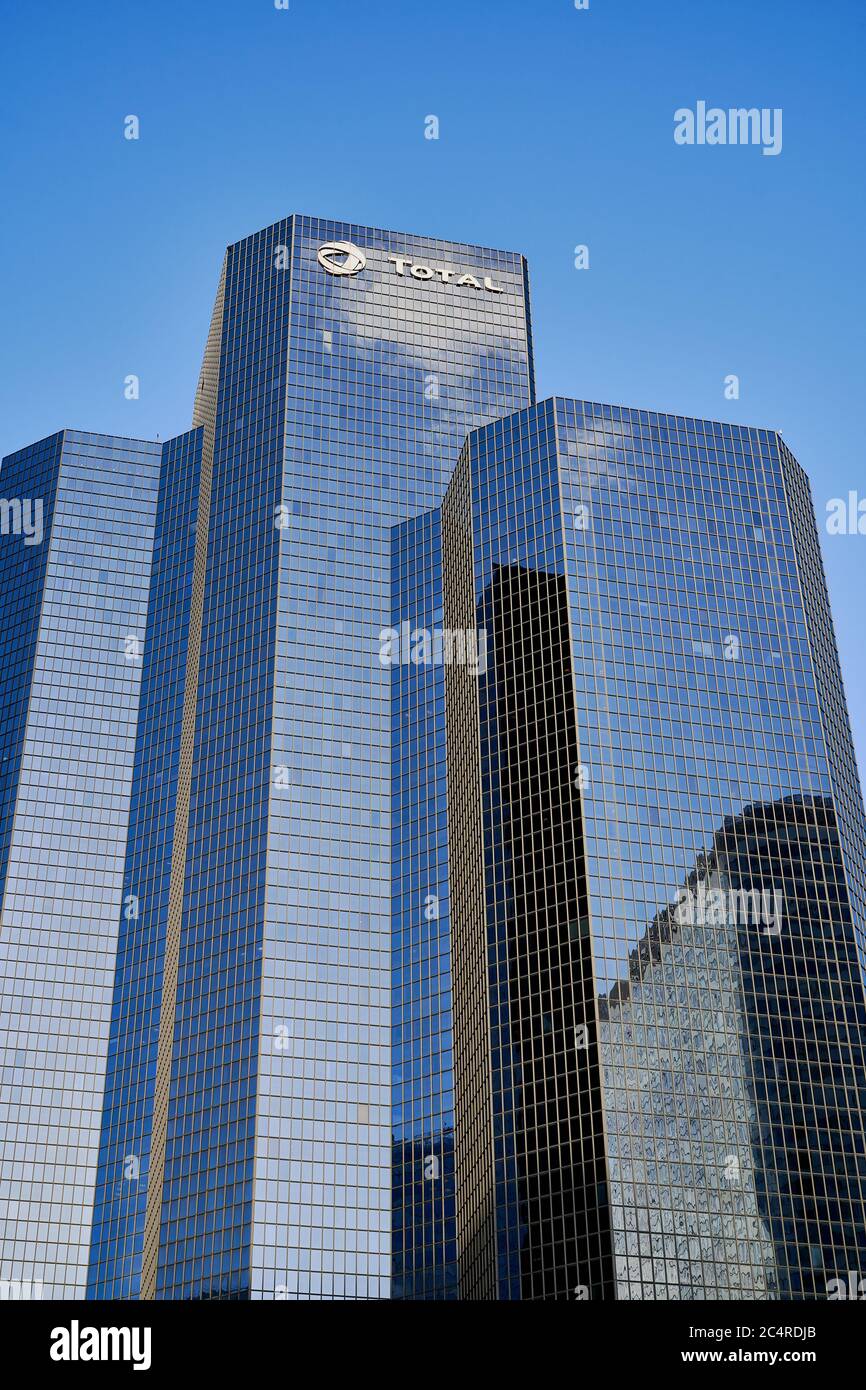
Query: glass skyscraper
[[432, 856], [75, 559], [424, 1234], [249, 1078], [657, 923]]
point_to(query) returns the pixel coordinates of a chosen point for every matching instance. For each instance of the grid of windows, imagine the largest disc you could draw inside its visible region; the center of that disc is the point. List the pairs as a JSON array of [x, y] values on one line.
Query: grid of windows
[[833, 710], [698, 707], [626, 1102], [424, 1232], [124, 1152], [29, 476], [386, 373], [62, 900], [206, 1221], [476, 1205], [727, 1101], [548, 1152]]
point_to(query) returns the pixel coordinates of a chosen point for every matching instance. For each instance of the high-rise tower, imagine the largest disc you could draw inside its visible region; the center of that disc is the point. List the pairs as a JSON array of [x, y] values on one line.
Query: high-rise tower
[[656, 847], [344, 368], [75, 558], [430, 839]]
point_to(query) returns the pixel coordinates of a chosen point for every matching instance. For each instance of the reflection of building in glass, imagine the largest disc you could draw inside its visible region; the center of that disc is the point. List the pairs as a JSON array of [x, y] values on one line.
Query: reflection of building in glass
[[805, 1035], [679, 1080], [675, 1113], [544, 1060], [778, 1156]]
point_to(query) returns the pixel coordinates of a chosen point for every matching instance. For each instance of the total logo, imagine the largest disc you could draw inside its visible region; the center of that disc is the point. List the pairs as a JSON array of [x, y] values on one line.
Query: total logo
[[342, 258]]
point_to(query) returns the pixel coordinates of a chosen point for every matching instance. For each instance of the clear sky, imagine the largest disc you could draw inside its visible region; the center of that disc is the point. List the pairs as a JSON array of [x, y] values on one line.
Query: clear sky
[[556, 129]]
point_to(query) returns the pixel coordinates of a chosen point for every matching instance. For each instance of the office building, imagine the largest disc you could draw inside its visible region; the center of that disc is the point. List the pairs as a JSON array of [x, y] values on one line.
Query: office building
[[345, 366], [75, 556], [656, 845], [432, 856]]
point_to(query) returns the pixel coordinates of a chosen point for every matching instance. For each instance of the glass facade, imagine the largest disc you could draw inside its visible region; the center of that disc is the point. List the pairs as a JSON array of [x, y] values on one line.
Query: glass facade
[[388, 369], [424, 1235], [73, 624], [432, 854], [120, 1206], [661, 795], [344, 368]]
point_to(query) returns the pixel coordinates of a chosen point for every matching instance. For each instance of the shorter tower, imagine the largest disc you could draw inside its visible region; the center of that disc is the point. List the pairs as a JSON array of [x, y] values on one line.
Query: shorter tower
[[75, 556], [650, 1106]]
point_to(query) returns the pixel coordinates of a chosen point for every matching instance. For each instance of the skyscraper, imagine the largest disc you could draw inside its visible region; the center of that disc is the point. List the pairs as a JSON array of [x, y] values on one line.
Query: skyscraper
[[424, 1235], [676, 1093], [75, 556], [344, 367], [432, 856]]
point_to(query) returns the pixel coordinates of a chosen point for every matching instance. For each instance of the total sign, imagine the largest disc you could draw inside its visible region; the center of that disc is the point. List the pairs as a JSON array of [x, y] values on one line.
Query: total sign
[[342, 258]]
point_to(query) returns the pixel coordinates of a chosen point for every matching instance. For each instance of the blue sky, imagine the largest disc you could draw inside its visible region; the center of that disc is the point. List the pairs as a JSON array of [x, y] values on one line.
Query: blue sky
[[556, 129]]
